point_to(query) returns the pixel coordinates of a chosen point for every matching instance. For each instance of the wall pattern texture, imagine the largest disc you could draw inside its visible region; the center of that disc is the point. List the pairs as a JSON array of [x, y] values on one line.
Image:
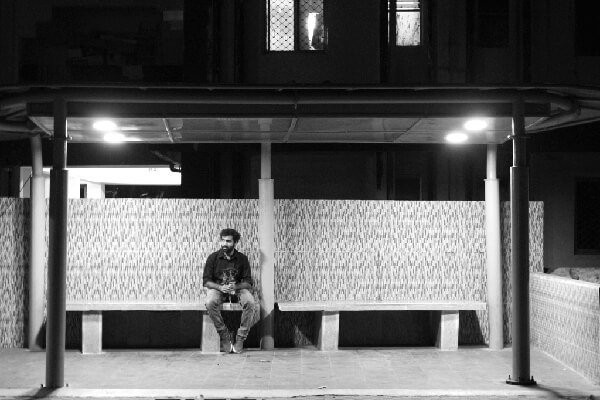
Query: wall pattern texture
[[536, 255], [14, 264], [565, 321], [129, 250], [153, 250]]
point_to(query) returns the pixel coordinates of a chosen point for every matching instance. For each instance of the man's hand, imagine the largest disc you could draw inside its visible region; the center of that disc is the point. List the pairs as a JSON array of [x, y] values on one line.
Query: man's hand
[[228, 289]]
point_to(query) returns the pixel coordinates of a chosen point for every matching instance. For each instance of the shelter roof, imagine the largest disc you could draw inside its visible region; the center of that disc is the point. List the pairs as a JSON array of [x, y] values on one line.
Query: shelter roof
[[292, 114]]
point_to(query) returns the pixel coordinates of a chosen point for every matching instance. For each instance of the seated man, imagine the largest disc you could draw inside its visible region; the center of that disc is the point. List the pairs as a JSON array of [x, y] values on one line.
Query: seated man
[[227, 273]]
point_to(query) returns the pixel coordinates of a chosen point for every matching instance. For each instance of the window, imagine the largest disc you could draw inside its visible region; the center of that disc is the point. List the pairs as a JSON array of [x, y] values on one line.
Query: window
[[295, 25], [491, 23], [405, 20], [587, 217]]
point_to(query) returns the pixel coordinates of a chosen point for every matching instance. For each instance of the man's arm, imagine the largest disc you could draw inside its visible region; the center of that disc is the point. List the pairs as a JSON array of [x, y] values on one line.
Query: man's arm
[[207, 276], [246, 281]]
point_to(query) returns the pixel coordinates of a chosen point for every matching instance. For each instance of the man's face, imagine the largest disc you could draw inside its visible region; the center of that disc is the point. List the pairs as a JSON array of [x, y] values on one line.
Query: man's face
[[227, 243]]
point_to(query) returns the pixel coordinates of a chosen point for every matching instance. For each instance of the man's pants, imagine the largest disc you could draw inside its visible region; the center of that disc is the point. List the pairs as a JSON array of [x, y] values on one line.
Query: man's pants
[[214, 299]]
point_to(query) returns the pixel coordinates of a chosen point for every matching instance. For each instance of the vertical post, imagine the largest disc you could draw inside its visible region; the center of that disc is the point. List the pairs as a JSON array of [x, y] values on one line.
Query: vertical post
[[37, 247], [57, 252], [493, 251], [519, 218], [266, 238]]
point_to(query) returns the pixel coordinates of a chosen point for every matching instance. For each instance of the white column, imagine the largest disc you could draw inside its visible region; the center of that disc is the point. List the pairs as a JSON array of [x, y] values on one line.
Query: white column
[[266, 239], [37, 246], [493, 251]]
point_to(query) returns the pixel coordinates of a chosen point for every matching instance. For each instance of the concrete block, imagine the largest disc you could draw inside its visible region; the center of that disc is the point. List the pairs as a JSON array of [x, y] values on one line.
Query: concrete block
[[91, 332], [447, 334], [328, 325], [210, 338]]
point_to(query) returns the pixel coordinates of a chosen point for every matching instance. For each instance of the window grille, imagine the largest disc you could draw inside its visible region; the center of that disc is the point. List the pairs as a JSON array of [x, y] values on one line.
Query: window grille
[[280, 25], [295, 25], [311, 24], [408, 22]]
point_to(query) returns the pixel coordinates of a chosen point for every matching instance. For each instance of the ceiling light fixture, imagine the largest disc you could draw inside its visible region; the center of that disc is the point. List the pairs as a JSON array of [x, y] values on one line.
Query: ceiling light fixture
[[114, 137], [456, 137], [476, 124], [105, 125]]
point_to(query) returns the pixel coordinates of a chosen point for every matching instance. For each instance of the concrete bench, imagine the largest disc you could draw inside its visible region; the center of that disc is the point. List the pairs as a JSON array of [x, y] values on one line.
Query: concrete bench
[[328, 324], [91, 321]]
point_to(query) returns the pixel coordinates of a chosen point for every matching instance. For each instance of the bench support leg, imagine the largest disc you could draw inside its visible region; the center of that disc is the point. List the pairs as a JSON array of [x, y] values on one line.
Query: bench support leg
[[211, 342], [328, 327], [91, 332], [447, 334]]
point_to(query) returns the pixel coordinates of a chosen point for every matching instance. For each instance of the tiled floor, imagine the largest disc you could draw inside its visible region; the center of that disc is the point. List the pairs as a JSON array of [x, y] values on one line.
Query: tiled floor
[[293, 372]]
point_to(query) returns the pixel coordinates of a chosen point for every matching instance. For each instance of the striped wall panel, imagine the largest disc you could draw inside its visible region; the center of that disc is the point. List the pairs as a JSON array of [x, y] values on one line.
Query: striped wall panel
[[124, 250], [536, 255], [14, 263], [565, 321]]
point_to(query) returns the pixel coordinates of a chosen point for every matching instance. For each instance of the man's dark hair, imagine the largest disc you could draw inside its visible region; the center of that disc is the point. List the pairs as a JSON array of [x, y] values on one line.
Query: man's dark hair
[[231, 232]]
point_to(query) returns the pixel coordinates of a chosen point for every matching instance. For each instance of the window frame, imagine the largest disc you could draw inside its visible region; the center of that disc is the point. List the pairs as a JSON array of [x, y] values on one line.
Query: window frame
[[392, 10], [296, 41]]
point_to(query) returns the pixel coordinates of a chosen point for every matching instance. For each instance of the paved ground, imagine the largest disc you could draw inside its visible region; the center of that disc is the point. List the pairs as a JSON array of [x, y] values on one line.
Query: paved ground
[[423, 373]]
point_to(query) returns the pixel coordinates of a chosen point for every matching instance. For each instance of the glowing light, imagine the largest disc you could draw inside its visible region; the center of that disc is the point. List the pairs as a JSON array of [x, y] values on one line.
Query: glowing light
[[105, 125], [475, 125], [311, 24], [114, 137], [456, 137]]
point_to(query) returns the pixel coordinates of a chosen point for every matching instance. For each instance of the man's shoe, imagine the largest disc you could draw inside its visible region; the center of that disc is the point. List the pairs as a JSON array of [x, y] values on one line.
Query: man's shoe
[[226, 345], [238, 347]]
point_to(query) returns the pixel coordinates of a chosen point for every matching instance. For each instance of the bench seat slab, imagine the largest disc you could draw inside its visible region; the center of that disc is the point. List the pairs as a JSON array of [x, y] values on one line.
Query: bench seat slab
[[379, 306]]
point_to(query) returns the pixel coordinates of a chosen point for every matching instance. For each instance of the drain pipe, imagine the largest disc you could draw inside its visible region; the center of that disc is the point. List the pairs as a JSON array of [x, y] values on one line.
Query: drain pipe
[[519, 219], [37, 246]]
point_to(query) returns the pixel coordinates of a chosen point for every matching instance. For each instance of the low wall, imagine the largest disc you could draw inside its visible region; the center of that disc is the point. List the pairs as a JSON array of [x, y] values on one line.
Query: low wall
[[155, 249], [565, 321]]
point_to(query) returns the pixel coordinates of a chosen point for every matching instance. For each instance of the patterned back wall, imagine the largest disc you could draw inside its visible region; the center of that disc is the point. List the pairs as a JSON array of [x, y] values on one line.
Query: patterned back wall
[[387, 250], [154, 250], [150, 250], [536, 255]]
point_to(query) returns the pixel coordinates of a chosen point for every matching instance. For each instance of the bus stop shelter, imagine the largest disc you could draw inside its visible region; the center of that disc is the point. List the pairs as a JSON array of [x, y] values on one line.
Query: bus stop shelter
[[267, 115]]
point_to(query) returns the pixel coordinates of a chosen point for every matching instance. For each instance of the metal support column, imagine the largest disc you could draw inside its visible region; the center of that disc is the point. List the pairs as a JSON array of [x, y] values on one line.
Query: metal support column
[[37, 247], [266, 239], [519, 218], [57, 252], [493, 251]]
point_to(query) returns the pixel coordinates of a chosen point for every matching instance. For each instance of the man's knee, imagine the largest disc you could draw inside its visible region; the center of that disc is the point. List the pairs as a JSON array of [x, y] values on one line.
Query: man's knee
[[212, 304], [246, 298]]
